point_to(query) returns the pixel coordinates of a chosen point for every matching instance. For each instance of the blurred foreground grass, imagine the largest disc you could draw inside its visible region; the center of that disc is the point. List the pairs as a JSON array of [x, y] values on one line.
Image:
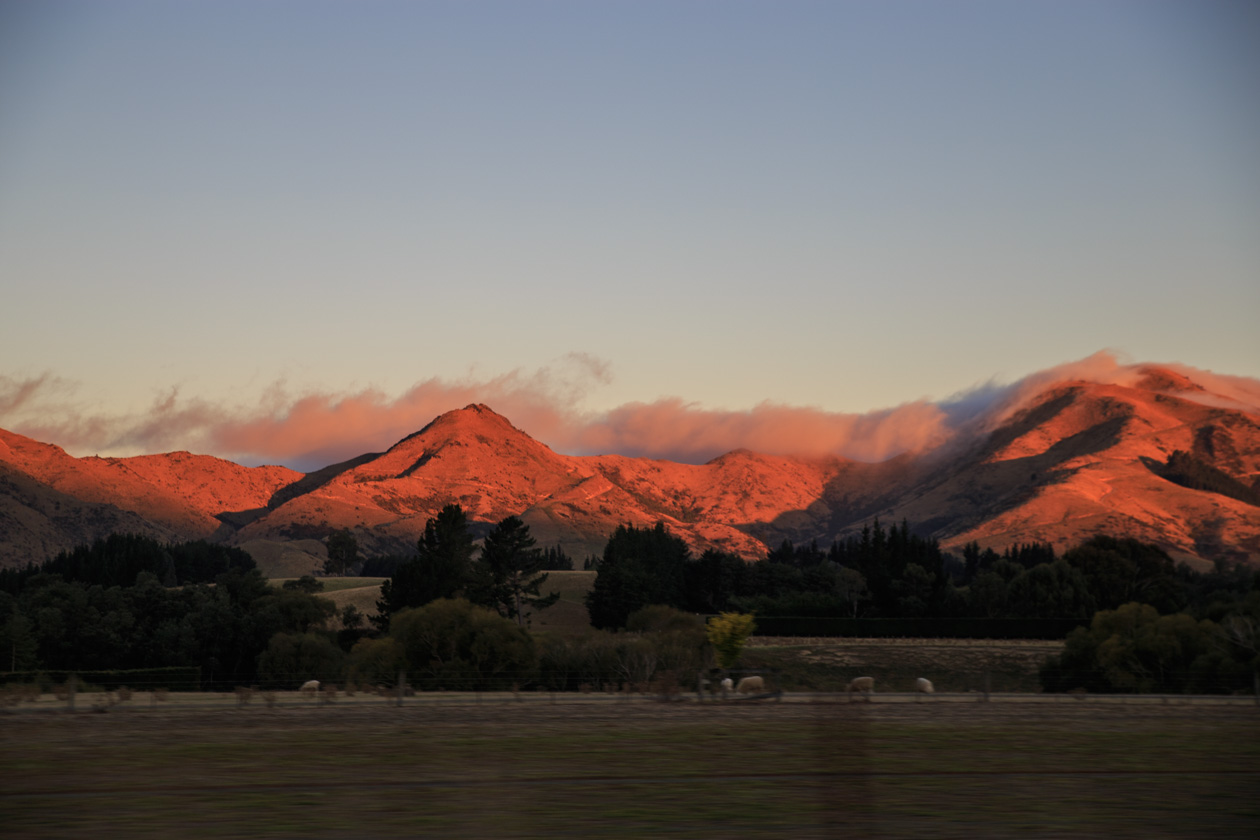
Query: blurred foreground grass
[[636, 769]]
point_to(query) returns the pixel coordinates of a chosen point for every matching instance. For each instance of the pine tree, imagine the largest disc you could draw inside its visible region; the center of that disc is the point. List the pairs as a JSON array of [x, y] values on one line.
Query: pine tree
[[508, 577], [440, 569], [343, 552], [640, 566]]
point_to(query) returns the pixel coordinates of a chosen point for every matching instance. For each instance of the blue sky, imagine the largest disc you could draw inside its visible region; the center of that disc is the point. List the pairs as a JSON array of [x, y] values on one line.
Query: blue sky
[[838, 206]]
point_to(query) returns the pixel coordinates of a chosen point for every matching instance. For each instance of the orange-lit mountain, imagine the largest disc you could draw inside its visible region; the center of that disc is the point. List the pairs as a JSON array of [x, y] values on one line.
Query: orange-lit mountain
[[478, 458], [1084, 458], [51, 501], [1076, 459]]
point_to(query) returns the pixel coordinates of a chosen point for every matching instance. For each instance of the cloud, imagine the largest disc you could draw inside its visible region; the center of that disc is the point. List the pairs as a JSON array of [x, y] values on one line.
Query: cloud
[[675, 430], [16, 393], [1107, 368], [308, 430]]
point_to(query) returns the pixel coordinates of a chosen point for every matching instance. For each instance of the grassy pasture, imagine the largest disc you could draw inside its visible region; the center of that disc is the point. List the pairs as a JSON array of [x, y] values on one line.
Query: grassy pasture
[[636, 769], [363, 592], [364, 598], [336, 584], [568, 615], [339, 584], [953, 665]]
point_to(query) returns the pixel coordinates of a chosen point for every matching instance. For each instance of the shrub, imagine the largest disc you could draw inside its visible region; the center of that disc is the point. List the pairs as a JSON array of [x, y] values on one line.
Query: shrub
[[376, 661], [450, 643], [1135, 649], [727, 633], [293, 658]]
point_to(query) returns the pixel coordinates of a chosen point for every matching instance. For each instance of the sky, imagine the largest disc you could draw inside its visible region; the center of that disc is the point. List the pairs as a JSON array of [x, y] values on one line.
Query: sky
[[296, 231]]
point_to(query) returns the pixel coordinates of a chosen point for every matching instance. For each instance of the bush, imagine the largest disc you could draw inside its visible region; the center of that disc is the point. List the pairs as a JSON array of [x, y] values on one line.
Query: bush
[[678, 639], [1135, 649], [293, 658], [376, 661], [727, 633], [450, 643]]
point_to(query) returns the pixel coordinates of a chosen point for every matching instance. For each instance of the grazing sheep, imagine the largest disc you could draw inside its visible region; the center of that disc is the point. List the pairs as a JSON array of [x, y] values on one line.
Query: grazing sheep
[[864, 685], [310, 687], [750, 685], [727, 685], [924, 686]]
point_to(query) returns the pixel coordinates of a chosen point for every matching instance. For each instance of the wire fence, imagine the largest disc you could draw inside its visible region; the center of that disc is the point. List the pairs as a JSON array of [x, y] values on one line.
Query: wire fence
[[147, 691]]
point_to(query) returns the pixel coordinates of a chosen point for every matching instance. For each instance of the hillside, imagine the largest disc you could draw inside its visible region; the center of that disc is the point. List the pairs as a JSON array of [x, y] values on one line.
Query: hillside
[[1087, 458], [1073, 459]]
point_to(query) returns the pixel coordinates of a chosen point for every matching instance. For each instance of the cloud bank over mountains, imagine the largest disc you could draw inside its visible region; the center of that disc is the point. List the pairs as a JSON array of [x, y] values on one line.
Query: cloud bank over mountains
[[312, 429]]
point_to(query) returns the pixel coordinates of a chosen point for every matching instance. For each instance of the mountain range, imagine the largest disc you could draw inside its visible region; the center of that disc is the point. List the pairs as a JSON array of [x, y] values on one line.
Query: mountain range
[[1074, 459]]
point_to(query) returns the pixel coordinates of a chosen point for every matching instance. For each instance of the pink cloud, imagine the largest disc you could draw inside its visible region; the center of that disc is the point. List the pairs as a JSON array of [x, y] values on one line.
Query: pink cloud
[[676, 430], [310, 430]]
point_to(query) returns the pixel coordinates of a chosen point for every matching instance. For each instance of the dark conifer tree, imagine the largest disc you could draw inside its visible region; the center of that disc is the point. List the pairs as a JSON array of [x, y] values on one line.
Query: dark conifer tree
[[640, 567], [508, 577], [439, 570]]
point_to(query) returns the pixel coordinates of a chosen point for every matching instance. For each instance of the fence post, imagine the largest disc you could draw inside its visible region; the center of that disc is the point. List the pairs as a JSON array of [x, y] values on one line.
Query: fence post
[[70, 683], [402, 686], [987, 686]]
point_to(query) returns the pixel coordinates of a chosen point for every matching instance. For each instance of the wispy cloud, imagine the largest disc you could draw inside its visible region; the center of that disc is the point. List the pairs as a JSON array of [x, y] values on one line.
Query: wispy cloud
[[311, 429]]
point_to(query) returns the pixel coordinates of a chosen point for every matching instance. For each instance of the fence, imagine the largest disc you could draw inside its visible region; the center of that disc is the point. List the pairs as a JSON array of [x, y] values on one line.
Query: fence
[[919, 628], [703, 687], [175, 678]]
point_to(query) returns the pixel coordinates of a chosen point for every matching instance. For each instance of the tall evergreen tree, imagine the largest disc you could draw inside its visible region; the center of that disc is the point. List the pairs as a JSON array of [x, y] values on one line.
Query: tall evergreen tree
[[343, 552], [640, 567], [439, 570], [508, 577]]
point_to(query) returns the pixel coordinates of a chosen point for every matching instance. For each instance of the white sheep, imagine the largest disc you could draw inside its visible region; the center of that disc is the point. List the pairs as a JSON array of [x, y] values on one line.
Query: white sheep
[[751, 685], [727, 685], [924, 686], [310, 687], [864, 685]]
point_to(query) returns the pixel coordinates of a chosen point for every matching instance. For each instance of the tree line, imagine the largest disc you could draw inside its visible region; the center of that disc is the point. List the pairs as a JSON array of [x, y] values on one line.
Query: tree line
[[118, 559], [452, 617], [1152, 624], [447, 613], [129, 602], [223, 627], [894, 573]]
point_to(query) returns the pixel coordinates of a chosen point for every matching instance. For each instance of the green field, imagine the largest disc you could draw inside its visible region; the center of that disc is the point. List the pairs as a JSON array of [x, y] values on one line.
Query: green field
[[568, 615], [953, 665], [337, 584], [639, 768]]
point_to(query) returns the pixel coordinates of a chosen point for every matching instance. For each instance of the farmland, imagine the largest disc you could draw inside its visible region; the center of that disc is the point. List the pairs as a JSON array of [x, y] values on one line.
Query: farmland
[[611, 767], [954, 665]]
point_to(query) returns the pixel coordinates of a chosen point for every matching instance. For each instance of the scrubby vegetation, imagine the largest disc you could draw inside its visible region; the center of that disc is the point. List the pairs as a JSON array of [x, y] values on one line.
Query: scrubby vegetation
[[1185, 469]]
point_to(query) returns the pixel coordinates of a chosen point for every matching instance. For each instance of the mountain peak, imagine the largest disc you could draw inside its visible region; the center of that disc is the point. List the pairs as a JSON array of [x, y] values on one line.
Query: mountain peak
[[1156, 378], [467, 420], [452, 437]]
